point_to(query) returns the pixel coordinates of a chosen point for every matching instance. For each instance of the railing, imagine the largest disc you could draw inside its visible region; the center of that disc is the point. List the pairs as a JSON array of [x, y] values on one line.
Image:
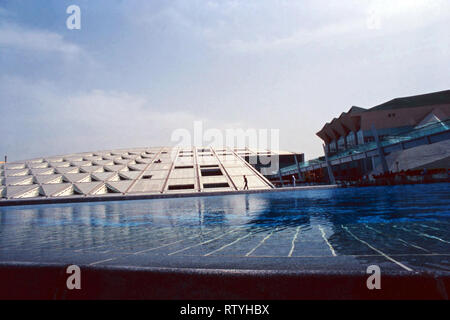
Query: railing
[[403, 135], [422, 131], [400, 136], [303, 165]]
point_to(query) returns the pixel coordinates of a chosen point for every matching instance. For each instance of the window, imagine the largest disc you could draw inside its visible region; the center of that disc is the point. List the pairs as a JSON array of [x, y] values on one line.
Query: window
[[184, 167], [147, 176], [333, 146], [215, 185], [351, 139], [181, 187], [360, 137], [206, 172], [341, 143]]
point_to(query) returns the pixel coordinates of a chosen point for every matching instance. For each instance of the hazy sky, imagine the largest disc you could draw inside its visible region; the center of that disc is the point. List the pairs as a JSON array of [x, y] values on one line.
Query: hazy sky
[[138, 70]]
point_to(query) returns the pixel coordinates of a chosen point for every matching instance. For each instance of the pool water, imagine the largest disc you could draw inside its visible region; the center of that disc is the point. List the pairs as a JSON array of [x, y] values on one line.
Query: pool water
[[404, 228]]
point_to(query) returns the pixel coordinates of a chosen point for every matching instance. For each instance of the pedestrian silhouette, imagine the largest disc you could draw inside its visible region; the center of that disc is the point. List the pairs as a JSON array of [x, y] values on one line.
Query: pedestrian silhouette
[[245, 183]]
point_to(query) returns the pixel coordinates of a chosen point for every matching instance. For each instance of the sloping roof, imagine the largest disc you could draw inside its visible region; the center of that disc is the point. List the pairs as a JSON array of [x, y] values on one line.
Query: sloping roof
[[355, 109], [138, 171], [429, 99]]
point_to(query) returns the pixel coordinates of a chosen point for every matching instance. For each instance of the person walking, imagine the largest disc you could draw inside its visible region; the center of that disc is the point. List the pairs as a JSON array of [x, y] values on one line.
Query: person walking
[[245, 183], [293, 180]]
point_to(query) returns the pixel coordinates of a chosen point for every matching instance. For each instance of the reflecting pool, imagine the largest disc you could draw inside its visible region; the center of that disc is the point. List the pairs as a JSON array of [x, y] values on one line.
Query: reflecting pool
[[404, 228]]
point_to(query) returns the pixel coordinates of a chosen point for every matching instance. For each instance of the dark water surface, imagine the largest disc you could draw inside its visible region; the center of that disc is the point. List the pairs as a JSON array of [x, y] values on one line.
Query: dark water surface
[[403, 227]]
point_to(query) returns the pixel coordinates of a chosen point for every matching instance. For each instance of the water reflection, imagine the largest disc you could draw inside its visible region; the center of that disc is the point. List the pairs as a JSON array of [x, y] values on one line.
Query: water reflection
[[142, 222]]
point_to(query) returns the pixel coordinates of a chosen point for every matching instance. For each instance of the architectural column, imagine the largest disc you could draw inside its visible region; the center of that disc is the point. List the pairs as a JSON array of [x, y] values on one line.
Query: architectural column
[[380, 150], [329, 168], [357, 142], [281, 177], [300, 178]]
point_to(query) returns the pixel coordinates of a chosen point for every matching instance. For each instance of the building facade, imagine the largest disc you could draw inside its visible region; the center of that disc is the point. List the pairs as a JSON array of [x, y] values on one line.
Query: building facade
[[354, 127], [134, 172]]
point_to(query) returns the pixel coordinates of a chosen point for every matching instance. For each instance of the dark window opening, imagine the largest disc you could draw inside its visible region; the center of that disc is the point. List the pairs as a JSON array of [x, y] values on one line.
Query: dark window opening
[[216, 185], [147, 176], [211, 172], [181, 186], [184, 167]]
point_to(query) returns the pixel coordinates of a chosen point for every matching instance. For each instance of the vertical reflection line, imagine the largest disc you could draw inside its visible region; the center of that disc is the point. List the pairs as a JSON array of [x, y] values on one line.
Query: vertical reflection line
[[293, 241]]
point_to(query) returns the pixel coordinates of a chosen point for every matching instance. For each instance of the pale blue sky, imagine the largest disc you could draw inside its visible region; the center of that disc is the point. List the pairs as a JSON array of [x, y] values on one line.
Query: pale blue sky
[[138, 70]]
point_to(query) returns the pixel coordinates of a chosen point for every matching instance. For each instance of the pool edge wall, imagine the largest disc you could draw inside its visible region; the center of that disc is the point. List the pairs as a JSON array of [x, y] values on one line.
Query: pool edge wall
[[48, 282], [128, 197]]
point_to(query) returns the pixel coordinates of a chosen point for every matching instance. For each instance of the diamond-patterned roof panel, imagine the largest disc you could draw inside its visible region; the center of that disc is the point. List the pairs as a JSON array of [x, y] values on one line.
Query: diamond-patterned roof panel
[[56, 190], [42, 171], [120, 186], [116, 168], [126, 171], [87, 187], [131, 175], [103, 176], [19, 180], [68, 170], [77, 177], [48, 179], [90, 169], [28, 191], [16, 172]]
